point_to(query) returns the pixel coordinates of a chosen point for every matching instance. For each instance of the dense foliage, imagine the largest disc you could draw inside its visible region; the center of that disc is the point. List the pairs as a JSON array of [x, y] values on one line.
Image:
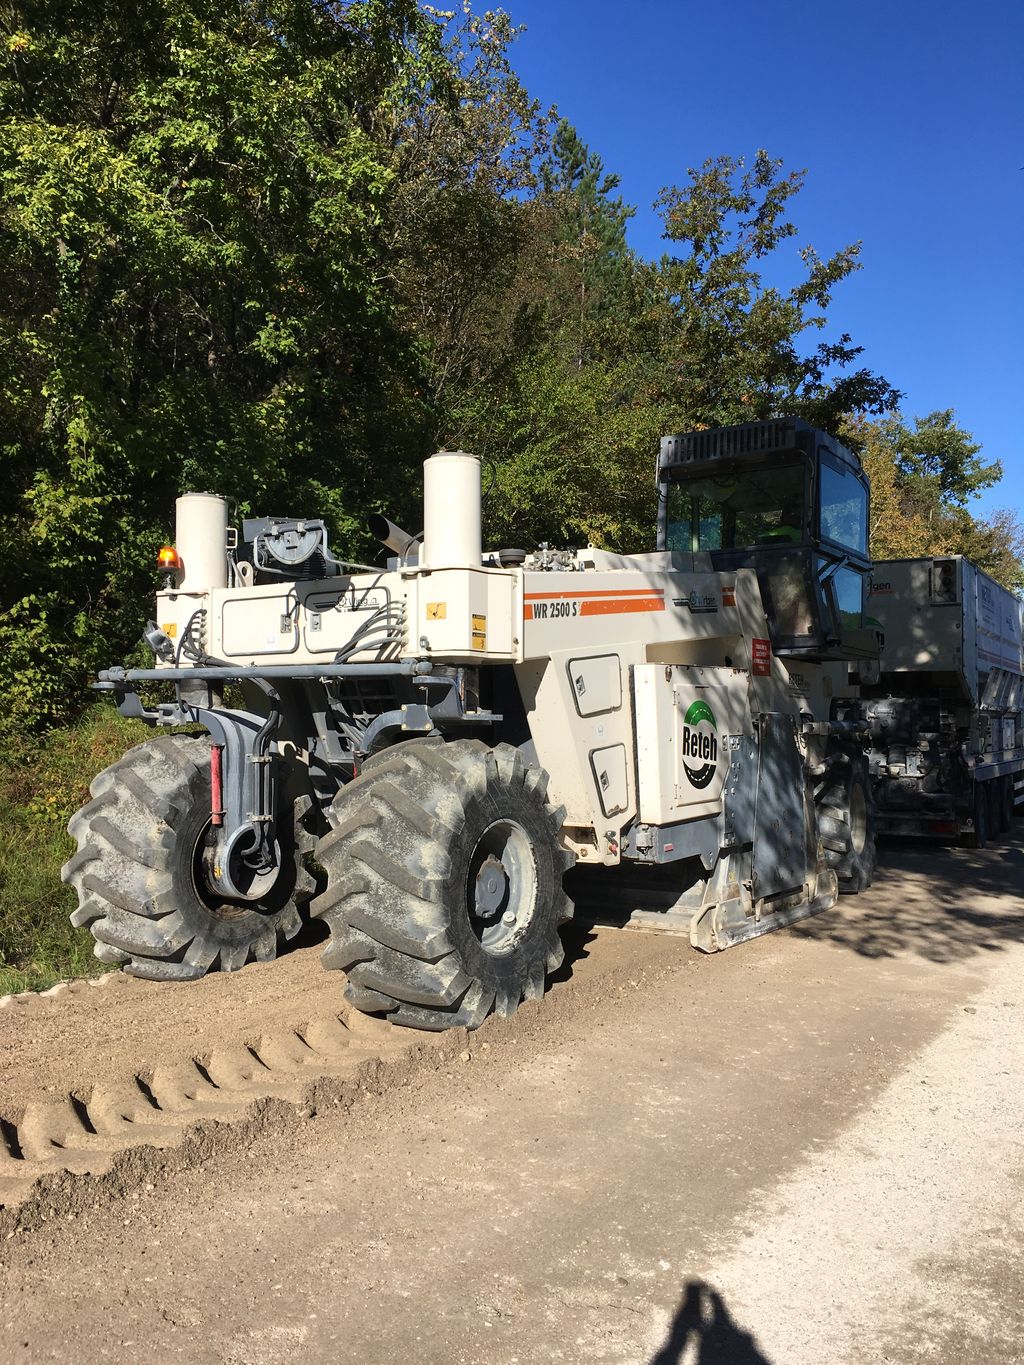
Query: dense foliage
[[923, 479], [282, 249]]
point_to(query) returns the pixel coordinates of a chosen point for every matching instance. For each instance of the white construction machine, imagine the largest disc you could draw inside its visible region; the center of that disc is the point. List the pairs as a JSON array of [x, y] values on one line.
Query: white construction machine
[[449, 734]]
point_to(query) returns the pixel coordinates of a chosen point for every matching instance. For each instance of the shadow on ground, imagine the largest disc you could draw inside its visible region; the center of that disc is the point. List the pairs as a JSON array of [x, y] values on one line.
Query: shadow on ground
[[575, 937], [940, 902], [705, 1331]]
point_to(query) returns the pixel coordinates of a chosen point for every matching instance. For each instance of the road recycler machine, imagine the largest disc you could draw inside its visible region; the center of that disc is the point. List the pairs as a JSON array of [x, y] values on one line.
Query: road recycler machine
[[418, 754]]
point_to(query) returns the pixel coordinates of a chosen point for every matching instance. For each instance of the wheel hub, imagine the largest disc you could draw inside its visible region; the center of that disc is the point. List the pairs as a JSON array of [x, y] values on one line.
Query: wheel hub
[[206, 880], [501, 892], [491, 888]]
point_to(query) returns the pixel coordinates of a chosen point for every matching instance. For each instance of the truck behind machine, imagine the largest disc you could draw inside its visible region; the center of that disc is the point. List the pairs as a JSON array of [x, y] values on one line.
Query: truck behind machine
[[945, 711]]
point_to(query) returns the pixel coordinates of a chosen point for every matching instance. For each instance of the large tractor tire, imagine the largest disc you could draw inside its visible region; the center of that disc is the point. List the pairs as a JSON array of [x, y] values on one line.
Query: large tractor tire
[[138, 870], [444, 884], [1002, 804], [846, 822], [982, 811]]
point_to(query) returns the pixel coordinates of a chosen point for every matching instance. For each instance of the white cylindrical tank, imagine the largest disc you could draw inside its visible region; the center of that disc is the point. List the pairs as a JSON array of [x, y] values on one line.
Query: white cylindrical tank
[[451, 510], [201, 539]]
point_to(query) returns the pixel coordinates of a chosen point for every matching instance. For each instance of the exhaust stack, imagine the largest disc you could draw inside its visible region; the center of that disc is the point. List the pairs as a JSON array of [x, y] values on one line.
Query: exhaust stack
[[390, 535], [452, 511]]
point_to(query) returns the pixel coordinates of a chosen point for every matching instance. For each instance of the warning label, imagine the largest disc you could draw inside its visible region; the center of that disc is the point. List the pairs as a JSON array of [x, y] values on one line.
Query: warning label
[[760, 658]]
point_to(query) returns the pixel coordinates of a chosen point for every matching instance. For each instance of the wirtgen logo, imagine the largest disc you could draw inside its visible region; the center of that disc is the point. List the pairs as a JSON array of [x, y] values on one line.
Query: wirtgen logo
[[700, 743]]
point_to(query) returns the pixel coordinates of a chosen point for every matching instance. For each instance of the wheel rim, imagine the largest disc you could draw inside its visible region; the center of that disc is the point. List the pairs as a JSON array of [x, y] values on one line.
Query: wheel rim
[[501, 889], [212, 901], [858, 819]]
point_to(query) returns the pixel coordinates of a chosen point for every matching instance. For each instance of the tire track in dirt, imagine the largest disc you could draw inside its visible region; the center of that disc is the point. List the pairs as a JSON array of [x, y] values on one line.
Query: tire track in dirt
[[108, 1083], [82, 1130]]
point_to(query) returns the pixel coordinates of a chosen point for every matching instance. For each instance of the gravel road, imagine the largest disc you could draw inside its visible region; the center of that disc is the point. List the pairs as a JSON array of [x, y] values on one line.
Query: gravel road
[[806, 1151]]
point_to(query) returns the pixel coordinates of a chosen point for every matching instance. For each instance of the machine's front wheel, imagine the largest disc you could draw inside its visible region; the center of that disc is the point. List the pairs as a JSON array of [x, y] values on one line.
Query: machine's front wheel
[[846, 823], [444, 894], [139, 874]]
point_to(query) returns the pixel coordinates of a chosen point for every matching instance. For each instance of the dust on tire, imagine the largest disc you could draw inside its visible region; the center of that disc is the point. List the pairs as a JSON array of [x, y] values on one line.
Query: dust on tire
[[135, 870], [399, 862], [846, 821]]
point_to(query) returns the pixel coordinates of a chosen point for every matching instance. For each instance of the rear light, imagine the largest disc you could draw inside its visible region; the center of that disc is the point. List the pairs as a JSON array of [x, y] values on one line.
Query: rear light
[[168, 559]]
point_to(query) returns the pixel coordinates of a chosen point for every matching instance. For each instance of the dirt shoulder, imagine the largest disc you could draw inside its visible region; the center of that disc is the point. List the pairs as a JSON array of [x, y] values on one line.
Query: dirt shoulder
[[772, 1153]]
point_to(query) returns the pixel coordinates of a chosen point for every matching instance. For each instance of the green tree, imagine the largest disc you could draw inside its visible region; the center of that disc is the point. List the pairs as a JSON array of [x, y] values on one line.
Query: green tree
[[735, 345], [698, 339], [466, 176], [923, 478], [938, 461], [197, 223], [588, 229]]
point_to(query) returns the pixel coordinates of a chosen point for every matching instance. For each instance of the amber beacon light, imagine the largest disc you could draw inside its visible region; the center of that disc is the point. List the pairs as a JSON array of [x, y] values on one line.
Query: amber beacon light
[[168, 559]]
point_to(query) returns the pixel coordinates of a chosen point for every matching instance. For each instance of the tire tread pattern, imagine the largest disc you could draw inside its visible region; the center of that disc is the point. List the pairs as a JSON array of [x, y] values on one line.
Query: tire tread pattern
[[121, 870], [388, 865], [854, 871]]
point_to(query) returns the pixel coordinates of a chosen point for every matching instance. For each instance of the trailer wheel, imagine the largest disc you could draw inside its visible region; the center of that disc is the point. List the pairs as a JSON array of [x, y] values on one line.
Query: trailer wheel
[[1003, 803], [444, 884], [138, 870], [980, 834], [846, 823]]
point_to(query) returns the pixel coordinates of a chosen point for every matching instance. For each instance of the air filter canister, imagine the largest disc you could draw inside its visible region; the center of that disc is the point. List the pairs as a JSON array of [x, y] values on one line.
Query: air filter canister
[[451, 511]]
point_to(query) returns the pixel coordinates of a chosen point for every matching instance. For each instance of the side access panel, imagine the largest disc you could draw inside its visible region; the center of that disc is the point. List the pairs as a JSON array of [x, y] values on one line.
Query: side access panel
[[689, 719], [581, 724]]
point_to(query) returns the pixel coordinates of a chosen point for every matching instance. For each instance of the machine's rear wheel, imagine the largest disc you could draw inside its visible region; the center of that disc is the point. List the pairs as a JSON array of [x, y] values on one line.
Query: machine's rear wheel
[[444, 894], [139, 876], [846, 822], [1002, 802], [979, 837]]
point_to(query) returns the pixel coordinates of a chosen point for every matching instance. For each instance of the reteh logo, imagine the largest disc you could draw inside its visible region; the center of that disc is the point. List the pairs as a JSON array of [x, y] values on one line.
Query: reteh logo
[[700, 743], [697, 601]]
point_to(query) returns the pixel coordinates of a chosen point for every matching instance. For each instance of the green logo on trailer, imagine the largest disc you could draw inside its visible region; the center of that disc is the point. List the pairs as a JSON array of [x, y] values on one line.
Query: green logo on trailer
[[700, 743]]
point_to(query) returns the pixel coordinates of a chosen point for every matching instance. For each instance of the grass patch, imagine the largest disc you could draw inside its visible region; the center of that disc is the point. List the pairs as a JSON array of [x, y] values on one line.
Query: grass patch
[[42, 784]]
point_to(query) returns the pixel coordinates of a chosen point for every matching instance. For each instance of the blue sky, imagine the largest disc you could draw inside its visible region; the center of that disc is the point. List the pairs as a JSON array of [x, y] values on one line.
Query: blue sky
[[909, 118]]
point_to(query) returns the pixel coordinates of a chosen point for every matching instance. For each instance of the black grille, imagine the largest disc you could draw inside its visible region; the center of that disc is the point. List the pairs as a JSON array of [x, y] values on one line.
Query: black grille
[[749, 438]]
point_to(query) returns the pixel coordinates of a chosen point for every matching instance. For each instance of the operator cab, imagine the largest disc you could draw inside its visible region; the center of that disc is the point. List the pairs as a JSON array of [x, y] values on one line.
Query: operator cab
[[788, 501]]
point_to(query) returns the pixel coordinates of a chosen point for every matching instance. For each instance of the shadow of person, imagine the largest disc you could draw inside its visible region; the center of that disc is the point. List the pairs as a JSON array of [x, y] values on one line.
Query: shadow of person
[[703, 1328]]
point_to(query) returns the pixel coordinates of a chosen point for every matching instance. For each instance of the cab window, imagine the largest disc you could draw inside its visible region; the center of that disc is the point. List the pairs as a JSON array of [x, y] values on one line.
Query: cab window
[[844, 507], [756, 507]]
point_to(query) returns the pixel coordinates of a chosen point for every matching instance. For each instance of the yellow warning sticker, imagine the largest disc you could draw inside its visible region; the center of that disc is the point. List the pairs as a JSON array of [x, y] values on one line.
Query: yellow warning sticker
[[170, 630], [437, 611], [479, 632]]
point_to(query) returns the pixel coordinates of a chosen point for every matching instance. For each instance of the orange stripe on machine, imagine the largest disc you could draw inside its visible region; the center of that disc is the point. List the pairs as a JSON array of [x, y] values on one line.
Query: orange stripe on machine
[[603, 606], [559, 606]]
